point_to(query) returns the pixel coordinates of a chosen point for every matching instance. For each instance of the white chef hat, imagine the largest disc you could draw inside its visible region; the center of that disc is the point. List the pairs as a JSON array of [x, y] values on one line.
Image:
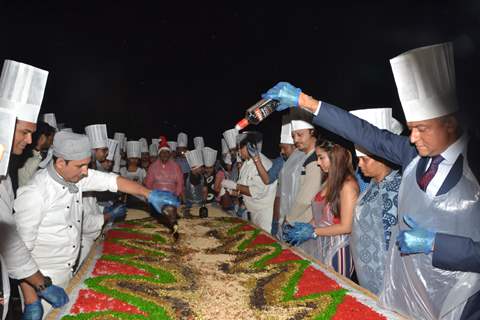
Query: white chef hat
[[67, 130], [300, 124], [425, 79], [119, 136], [143, 145], [50, 119], [134, 149], [227, 158], [21, 89], [194, 158], [173, 145], [71, 146], [209, 156], [230, 137], [379, 117], [182, 140], [124, 148], [97, 133], [153, 150], [199, 143], [7, 125], [224, 146], [286, 134], [112, 146]]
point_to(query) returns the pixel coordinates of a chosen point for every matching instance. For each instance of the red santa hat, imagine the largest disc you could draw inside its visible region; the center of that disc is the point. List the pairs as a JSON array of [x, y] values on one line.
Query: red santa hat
[[163, 144]]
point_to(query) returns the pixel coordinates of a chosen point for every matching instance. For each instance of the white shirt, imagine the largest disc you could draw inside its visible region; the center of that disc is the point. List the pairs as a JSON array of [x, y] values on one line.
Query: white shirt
[[450, 155]]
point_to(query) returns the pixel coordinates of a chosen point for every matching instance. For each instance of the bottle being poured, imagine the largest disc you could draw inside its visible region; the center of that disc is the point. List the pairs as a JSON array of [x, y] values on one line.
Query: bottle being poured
[[257, 113]]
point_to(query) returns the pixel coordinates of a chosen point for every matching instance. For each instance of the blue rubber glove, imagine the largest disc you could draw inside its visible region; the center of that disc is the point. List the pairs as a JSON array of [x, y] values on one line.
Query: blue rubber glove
[[158, 199], [117, 211], [286, 228], [252, 150], [300, 233], [416, 240], [285, 93], [54, 295], [33, 311]]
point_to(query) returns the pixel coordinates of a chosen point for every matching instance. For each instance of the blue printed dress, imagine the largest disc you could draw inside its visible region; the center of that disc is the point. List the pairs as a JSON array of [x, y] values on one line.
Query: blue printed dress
[[375, 214]]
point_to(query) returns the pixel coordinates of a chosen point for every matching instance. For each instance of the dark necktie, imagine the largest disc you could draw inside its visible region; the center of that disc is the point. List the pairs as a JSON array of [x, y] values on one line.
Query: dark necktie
[[430, 173]]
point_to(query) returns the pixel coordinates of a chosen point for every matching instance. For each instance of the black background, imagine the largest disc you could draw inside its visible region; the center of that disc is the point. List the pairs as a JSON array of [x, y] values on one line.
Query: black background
[[149, 68]]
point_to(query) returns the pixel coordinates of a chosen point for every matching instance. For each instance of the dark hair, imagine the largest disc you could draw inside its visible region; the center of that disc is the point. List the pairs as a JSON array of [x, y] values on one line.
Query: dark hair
[[43, 128], [340, 170]]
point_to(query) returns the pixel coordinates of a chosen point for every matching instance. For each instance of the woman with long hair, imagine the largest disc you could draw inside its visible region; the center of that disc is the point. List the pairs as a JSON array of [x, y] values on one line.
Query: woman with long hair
[[332, 208]]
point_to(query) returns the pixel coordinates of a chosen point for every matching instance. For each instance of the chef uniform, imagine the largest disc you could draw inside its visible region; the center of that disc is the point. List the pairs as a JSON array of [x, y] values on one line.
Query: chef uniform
[[209, 158]]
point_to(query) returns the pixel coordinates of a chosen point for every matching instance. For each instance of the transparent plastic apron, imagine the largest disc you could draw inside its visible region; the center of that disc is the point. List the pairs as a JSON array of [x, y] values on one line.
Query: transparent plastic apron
[[290, 182], [367, 242], [324, 248], [412, 285]]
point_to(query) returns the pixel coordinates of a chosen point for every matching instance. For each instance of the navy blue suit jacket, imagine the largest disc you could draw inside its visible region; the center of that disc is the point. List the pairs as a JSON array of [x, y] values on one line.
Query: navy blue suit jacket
[[452, 253]]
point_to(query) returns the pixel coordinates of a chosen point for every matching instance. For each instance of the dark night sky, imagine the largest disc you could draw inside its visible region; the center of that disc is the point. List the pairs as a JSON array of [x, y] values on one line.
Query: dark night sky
[[155, 67]]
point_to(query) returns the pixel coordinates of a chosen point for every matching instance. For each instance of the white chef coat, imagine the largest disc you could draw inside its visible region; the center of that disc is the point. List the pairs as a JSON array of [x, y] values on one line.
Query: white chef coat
[[92, 225], [49, 220], [19, 261], [260, 204]]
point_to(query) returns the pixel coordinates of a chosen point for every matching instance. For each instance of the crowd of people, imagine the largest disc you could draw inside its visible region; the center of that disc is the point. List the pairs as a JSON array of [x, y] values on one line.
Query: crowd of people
[[399, 214]]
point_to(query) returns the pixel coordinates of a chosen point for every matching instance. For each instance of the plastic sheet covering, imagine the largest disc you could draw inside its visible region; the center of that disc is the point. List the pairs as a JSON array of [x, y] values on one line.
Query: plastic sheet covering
[[412, 285], [289, 181]]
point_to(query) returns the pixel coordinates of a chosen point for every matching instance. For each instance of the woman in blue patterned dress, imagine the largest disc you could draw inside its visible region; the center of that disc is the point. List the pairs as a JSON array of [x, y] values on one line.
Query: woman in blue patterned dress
[[375, 214]]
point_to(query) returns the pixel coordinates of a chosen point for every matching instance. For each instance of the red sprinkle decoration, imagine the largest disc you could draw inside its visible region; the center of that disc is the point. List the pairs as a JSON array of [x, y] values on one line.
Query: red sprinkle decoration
[[315, 281], [119, 234], [106, 267], [262, 239], [352, 309], [285, 255], [247, 227], [92, 301], [118, 249]]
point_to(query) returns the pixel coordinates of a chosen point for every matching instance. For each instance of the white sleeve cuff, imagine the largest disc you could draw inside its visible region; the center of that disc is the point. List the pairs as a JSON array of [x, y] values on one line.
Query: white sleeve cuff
[[318, 108]]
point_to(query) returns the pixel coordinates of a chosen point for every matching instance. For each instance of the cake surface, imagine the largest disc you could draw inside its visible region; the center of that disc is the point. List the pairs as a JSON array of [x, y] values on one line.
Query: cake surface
[[220, 268]]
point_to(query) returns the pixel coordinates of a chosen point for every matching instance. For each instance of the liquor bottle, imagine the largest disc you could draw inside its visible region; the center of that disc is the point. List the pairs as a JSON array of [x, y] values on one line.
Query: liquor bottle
[[258, 112]]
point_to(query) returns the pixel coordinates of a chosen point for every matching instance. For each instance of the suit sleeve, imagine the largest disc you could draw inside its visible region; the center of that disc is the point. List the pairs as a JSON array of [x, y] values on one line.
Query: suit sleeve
[[456, 253], [387, 145]]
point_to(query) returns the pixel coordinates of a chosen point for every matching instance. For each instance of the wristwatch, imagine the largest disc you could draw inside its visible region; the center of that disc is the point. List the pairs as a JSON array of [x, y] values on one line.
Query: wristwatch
[[314, 235], [47, 282]]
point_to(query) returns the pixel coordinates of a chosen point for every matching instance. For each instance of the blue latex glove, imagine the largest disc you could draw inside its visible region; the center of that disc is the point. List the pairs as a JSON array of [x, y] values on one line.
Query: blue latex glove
[[300, 233], [33, 311], [252, 150], [286, 228], [117, 211], [416, 240], [158, 199], [285, 93], [54, 295]]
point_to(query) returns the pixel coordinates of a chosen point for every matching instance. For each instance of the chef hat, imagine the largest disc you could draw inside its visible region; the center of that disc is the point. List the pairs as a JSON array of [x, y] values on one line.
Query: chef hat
[[198, 143], [173, 145], [230, 137], [379, 117], [300, 119], [286, 134], [71, 146], [97, 133], [7, 123], [119, 136], [112, 146], [125, 144], [134, 149], [194, 158], [21, 89], [50, 119], [67, 130], [227, 158], [143, 145], [425, 79], [153, 150], [182, 140], [209, 156], [224, 146]]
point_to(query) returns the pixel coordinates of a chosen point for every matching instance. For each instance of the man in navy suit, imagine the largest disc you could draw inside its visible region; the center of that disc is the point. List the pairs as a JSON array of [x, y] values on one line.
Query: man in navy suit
[[438, 198]]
